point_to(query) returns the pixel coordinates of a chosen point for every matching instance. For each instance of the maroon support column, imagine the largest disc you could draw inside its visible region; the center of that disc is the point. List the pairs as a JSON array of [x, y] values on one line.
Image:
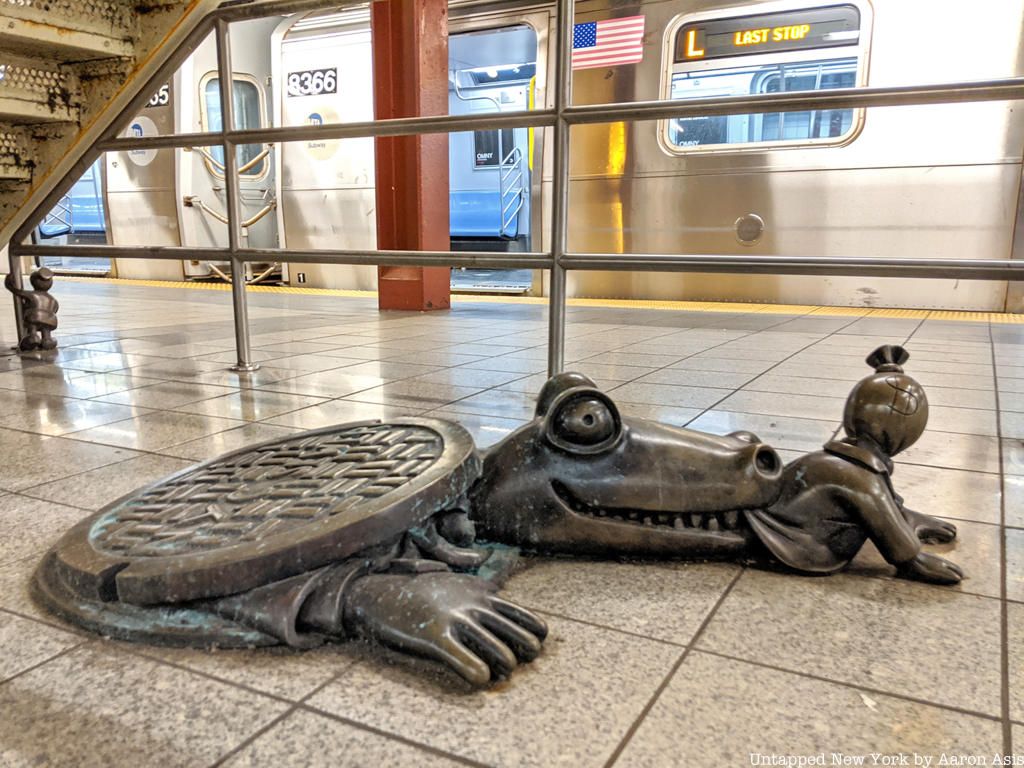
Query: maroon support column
[[410, 75]]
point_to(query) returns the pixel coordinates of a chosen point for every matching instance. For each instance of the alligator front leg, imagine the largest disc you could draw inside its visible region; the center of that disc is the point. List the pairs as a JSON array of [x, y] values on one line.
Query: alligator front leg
[[452, 618]]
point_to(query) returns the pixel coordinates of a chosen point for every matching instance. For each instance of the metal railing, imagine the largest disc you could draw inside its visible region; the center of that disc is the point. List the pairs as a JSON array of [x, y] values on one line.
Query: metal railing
[[560, 118], [510, 189]]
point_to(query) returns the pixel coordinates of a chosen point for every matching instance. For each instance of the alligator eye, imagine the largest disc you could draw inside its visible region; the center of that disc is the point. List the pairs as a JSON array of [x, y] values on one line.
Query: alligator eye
[[585, 422]]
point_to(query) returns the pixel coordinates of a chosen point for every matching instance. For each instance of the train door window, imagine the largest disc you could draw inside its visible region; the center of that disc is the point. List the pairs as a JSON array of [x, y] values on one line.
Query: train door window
[[790, 49], [248, 108]]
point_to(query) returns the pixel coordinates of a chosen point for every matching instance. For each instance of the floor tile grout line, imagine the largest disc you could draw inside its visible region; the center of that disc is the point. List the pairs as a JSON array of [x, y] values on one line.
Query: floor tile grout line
[[606, 627], [733, 391], [884, 577], [151, 654], [306, 707], [83, 643], [777, 364], [635, 726], [847, 684], [142, 453], [1004, 619], [293, 707], [22, 491], [55, 623], [497, 387], [692, 645]]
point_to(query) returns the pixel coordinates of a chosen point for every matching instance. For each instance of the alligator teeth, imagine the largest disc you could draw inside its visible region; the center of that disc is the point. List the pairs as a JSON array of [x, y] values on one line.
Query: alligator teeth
[[711, 522], [648, 521], [678, 523], [731, 520], [695, 520]]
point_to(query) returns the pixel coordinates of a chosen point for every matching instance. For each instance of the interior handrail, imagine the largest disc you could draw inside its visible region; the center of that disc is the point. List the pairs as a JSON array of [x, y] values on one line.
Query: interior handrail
[[226, 276], [194, 201], [510, 187], [220, 166]]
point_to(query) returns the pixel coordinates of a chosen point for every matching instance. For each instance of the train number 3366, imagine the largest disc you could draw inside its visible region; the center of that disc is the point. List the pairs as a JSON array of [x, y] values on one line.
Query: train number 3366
[[312, 82]]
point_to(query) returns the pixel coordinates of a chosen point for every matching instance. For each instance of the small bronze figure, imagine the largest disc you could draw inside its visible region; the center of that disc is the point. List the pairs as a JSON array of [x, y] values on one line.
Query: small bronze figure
[[38, 310], [835, 499], [400, 533]]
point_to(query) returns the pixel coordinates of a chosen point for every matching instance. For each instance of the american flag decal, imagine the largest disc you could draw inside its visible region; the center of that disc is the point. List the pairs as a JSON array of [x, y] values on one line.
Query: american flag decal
[[608, 43]]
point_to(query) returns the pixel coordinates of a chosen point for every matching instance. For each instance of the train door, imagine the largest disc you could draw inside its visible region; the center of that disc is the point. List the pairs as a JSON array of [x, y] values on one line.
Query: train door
[[140, 191], [323, 66], [493, 67], [202, 201]]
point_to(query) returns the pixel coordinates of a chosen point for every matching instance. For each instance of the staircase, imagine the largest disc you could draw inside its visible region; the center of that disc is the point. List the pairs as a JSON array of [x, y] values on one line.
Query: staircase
[[67, 69]]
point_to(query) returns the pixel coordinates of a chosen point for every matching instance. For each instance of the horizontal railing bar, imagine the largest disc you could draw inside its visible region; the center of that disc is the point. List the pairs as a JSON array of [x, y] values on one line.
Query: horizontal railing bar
[[835, 98], [394, 127], [954, 269], [959, 269], [240, 10], [489, 259]]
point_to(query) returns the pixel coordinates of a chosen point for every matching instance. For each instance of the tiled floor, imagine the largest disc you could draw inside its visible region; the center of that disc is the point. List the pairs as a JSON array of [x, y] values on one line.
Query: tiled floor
[[646, 665]]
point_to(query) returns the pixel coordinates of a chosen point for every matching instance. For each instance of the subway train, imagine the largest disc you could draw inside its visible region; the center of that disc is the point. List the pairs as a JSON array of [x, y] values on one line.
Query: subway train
[[940, 181]]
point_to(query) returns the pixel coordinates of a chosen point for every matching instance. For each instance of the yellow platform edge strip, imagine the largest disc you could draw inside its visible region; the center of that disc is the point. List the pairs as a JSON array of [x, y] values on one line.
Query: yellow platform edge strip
[[676, 306]]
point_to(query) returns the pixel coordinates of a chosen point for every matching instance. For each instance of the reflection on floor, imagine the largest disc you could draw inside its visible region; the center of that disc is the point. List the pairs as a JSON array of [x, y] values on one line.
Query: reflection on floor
[[59, 264], [492, 280], [682, 664]]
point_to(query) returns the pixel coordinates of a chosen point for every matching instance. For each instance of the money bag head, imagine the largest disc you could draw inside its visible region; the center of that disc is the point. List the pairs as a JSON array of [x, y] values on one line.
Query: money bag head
[[888, 406]]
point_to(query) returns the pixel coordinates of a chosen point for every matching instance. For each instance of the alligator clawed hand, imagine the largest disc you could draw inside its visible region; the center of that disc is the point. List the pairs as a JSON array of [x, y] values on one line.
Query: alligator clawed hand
[[400, 533]]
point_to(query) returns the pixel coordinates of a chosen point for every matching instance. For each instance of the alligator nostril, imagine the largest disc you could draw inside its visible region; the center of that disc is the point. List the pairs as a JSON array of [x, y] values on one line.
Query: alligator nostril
[[767, 460]]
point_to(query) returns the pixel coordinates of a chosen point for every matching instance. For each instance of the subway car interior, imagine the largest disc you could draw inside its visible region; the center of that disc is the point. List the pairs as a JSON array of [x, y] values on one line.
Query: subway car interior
[[710, 311]]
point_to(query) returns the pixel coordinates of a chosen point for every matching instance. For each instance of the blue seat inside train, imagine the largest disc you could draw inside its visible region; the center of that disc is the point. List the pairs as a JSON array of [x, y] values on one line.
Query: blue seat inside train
[[477, 213]]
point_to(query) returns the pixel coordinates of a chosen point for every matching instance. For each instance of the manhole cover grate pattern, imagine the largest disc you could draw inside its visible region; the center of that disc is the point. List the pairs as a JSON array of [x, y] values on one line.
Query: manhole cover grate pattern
[[268, 491]]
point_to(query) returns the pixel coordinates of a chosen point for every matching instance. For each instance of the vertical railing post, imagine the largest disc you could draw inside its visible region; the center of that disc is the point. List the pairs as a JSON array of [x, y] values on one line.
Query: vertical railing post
[[233, 195], [15, 271], [560, 186]]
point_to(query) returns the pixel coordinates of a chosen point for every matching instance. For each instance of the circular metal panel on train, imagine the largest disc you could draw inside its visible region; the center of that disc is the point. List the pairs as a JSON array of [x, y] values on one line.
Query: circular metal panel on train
[[749, 228], [269, 511]]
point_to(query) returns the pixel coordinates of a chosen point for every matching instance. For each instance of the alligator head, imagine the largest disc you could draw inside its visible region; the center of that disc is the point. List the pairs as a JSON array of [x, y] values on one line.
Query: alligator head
[[580, 478]]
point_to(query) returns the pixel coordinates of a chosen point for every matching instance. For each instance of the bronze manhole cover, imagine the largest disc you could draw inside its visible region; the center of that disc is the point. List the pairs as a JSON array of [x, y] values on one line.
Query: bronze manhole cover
[[268, 511]]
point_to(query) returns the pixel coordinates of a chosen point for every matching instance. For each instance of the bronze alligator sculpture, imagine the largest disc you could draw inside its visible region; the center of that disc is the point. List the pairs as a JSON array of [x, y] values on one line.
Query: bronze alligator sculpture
[[400, 533]]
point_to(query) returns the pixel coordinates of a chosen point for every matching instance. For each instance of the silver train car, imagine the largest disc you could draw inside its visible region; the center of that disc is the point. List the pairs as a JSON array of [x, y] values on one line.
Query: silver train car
[[929, 181]]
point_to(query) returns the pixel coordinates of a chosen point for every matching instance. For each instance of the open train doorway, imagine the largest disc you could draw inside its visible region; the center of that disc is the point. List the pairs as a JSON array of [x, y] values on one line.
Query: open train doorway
[[79, 218], [491, 70]]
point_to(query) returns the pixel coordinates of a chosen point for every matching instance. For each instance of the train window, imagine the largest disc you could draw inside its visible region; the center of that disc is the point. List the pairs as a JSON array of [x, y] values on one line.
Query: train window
[[797, 49], [248, 110]]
